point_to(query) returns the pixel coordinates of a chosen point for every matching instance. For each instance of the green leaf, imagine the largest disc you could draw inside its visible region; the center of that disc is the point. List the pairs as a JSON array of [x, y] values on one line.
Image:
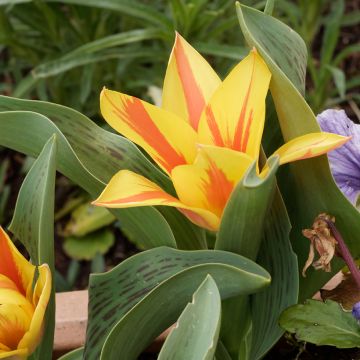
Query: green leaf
[[197, 330], [33, 224], [87, 218], [250, 201], [88, 246], [308, 187], [269, 7], [221, 352], [156, 277], [132, 8], [279, 44], [278, 258], [87, 155], [332, 30], [322, 324], [76, 354], [85, 52], [339, 80]]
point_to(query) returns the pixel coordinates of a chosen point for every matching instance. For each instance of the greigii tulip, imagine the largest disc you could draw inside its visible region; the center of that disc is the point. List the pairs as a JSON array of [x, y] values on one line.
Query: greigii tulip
[[22, 303], [205, 136]]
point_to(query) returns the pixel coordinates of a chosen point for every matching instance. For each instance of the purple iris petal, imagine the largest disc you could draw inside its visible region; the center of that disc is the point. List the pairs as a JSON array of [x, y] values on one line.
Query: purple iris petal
[[344, 161], [356, 311]]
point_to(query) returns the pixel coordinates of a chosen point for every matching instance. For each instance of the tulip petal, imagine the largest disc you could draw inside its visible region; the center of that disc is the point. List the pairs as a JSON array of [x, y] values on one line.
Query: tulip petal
[[41, 298], [234, 117], [165, 137], [127, 189], [14, 266], [14, 297], [189, 82], [212, 177], [18, 354], [309, 145], [14, 321]]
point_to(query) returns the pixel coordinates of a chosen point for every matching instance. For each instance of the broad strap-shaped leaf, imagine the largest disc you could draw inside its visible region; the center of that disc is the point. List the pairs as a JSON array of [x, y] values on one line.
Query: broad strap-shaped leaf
[[288, 50], [322, 324], [196, 332], [277, 257], [189, 82], [306, 194], [33, 224], [256, 219], [241, 227], [17, 129], [173, 274]]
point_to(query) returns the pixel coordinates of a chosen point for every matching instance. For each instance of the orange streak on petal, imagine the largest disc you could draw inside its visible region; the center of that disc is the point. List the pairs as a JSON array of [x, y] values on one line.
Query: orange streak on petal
[[137, 118], [194, 98], [247, 132], [7, 263], [146, 195], [213, 127], [218, 189], [240, 142], [11, 332], [197, 219]]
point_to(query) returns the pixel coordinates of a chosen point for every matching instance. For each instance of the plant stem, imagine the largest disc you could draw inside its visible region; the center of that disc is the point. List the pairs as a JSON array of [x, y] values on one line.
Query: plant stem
[[345, 253]]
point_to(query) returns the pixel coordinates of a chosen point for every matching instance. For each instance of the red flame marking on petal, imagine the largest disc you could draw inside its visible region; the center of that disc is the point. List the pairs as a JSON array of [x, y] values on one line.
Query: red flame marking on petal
[[194, 98], [213, 127], [137, 118], [7, 263], [218, 189], [143, 196], [241, 137]]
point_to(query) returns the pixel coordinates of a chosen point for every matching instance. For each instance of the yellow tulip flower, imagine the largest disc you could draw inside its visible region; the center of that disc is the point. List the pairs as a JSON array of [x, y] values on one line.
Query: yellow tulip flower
[[205, 136], [22, 304]]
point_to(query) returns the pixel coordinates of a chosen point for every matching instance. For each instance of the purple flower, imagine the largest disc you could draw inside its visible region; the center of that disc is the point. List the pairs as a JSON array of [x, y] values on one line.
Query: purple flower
[[356, 311], [344, 161]]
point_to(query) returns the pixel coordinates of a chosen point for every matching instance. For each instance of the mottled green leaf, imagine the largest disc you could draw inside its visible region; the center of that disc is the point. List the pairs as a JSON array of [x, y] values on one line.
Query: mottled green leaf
[[250, 201], [33, 225], [278, 258], [156, 277]]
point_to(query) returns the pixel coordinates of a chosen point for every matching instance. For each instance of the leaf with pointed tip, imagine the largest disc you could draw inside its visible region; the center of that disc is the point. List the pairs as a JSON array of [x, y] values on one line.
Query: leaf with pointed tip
[[308, 187], [322, 323], [33, 225], [197, 330], [136, 291]]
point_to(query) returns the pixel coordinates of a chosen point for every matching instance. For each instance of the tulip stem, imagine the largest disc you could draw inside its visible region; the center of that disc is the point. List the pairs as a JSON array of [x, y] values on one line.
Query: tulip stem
[[345, 253]]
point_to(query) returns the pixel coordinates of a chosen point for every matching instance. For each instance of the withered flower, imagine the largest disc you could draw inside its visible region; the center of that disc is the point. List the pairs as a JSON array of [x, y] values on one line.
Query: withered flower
[[322, 241]]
